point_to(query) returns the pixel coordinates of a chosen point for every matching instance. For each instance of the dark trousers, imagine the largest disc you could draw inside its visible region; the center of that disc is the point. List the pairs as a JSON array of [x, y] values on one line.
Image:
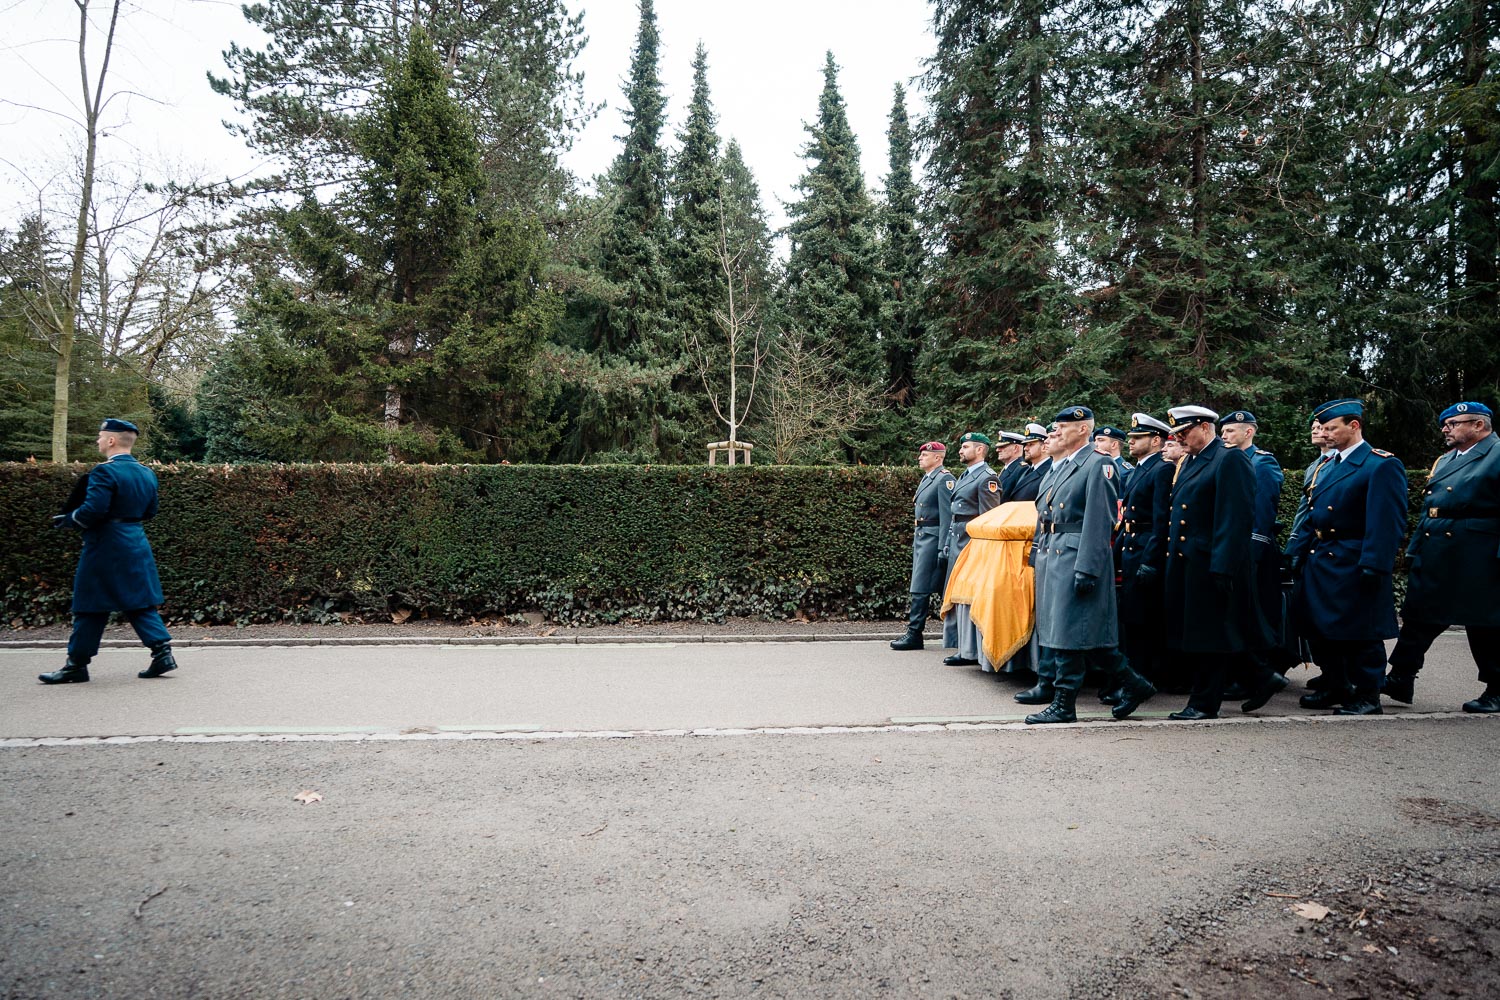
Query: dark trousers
[[1352, 663], [1211, 671], [1145, 648], [1065, 669], [1416, 639], [88, 629], [916, 616]]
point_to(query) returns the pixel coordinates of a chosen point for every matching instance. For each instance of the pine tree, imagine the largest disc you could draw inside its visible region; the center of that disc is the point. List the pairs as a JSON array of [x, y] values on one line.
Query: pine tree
[[833, 279], [902, 325], [748, 227]]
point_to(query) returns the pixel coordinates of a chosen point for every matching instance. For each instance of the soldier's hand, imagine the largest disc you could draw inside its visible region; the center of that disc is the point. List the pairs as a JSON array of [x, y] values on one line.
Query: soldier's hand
[[59, 521], [1083, 584], [1147, 573], [1223, 583], [1294, 563], [1369, 579]]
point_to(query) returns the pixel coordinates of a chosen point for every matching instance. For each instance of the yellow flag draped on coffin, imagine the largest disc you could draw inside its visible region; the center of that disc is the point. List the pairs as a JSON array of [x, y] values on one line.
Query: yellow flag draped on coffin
[[992, 577]]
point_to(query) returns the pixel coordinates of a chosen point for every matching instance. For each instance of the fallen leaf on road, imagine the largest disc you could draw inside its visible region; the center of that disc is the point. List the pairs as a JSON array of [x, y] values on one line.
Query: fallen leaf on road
[[1370, 949], [1311, 911], [307, 798]]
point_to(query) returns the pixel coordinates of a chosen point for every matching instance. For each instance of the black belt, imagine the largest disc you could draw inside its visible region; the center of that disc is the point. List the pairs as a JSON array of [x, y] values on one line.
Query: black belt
[[963, 518], [1061, 527], [1135, 528], [925, 522], [1463, 513]]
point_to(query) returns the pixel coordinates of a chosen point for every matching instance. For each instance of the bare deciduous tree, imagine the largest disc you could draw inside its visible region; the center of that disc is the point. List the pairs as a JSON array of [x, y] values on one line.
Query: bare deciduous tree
[[811, 409]]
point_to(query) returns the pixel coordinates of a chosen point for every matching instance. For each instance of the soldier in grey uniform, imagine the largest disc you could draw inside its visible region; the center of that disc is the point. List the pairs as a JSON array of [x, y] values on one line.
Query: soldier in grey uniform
[[976, 490], [930, 515], [1076, 619], [1454, 558], [1110, 442]]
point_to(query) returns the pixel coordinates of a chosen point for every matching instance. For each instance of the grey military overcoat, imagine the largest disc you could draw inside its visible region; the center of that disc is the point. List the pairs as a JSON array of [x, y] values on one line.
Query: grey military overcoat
[[1075, 527], [976, 490], [931, 512]]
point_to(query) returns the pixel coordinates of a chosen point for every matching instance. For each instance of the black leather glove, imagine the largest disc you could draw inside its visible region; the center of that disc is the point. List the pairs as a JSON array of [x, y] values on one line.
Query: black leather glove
[[1295, 562], [1223, 583], [60, 521], [1147, 573], [1370, 580], [1083, 584]]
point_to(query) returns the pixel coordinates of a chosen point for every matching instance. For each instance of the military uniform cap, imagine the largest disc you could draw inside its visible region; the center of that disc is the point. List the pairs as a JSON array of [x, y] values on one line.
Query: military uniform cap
[[976, 437], [116, 425], [1074, 414], [1183, 417], [1465, 410], [1239, 417], [1143, 424], [933, 446], [1036, 432], [1011, 437], [1113, 433], [1339, 408]]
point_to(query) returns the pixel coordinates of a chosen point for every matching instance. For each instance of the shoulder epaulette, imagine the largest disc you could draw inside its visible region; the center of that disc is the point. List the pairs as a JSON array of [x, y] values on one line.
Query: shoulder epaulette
[[1262, 451], [1382, 453]]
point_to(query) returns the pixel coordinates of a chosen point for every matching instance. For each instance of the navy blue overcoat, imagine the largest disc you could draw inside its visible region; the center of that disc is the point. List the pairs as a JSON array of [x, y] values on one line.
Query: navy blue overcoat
[[116, 571]]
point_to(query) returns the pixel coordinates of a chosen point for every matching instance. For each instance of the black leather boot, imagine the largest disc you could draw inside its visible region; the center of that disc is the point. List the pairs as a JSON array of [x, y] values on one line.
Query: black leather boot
[[1264, 693], [1061, 710], [161, 662], [1399, 687], [1132, 697], [911, 640], [75, 671], [1040, 694], [1331, 697]]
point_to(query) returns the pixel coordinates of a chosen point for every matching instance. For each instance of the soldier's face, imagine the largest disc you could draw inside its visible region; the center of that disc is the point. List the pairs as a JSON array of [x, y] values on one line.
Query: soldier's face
[[1238, 435], [929, 460], [1034, 451], [1172, 450], [105, 442], [1317, 435], [1342, 432], [1008, 453], [1196, 437], [1461, 432], [1107, 446], [1141, 445]]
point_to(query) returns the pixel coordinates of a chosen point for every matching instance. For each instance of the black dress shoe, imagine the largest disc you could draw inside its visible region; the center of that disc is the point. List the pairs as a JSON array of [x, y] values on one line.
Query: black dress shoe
[[1319, 683], [1325, 699], [1487, 703], [1264, 693], [72, 672], [1132, 698], [1399, 688], [1111, 697], [1361, 707], [1039, 695], [1191, 714], [911, 640], [959, 661]]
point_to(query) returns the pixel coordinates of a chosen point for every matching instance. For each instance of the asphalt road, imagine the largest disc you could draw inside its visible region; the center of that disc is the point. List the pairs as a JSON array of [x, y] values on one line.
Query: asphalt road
[[1004, 862]]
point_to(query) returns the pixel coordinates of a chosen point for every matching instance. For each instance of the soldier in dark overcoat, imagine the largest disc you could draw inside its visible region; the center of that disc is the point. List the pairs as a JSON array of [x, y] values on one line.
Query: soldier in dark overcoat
[[976, 490], [1034, 454], [931, 512], [1212, 611], [1238, 430], [1077, 620], [116, 570], [1010, 450], [1343, 555], [1453, 560], [1141, 548]]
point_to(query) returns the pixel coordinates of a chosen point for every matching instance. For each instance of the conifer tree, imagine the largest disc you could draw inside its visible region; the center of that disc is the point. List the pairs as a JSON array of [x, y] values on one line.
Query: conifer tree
[[747, 226], [833, 279], [902, 326]]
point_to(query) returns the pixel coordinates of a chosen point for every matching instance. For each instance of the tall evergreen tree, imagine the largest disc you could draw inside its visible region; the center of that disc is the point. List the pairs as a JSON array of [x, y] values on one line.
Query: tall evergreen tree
[[747, 225], [833, 276], [902, 323]]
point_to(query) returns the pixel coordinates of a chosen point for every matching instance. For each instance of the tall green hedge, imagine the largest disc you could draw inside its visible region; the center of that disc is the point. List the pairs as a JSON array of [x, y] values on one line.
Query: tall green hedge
[[250, 543], [595, 544]]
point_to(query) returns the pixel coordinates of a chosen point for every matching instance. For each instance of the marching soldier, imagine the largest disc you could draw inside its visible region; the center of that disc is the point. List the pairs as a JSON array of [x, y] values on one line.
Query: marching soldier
[[1076, 618], [116, 570], [1238, 430], [1034, 453], [1141, 544], [930, 516], [1212, 612], [1454, 558], [1012, 465], [1343, 553], [1110, 441], [975, 491]]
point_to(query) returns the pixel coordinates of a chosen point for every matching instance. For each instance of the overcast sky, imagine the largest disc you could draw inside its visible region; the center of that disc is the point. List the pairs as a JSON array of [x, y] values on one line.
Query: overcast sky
[[765, 74]]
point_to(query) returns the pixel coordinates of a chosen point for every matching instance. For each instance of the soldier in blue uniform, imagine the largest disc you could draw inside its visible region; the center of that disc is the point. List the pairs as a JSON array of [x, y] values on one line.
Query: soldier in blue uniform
[[1076, 617], [1141, 548], [1343, 553], [1110, 441], [116, 571], [1213, 616], [1238, 430], [1309, 479], [976, 490], [1009, 452], [1454, 557], [930, 515], [1034, 454]]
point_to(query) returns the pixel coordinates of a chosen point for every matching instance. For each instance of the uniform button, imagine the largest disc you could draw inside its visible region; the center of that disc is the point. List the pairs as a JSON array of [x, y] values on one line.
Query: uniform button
[[1182, 538], [1330, 508], [1450, 489], [1450, 534], [1184, 506], [1427, 534]]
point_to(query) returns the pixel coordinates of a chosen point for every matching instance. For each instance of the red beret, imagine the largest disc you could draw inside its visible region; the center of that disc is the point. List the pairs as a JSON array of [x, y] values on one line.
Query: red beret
[[933, 446]]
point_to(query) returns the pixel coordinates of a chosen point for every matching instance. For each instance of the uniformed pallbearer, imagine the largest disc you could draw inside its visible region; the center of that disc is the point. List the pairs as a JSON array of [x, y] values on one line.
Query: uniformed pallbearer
[[1343, 553], [976, 490], [1141, 544], [930, 515], [1453, 560], [116, 571], [1212, 611], [1076, 617], [1238, 430]]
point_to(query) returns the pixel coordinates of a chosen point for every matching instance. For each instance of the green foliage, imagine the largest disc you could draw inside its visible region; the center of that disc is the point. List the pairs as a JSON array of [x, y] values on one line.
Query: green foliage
[[598, 544]]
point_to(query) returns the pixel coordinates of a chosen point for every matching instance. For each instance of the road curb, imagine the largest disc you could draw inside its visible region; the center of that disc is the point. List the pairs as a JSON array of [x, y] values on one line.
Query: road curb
[[476, 640]]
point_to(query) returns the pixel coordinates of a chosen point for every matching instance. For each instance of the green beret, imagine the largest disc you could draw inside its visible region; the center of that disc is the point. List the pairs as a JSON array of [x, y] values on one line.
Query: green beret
[[975, 436]]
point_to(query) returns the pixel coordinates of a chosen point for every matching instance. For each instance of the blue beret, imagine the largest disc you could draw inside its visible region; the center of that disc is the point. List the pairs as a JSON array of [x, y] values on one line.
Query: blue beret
[[1465, 409], [1339, 408], [1072, 414], [1238, 417], [116, 424], [1110, 432]]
